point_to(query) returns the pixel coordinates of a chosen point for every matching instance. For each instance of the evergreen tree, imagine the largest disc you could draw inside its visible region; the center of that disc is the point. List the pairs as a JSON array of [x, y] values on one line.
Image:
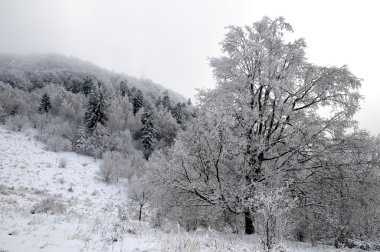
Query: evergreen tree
[[158, 102], [166, 100], [124, 90], [148, 131], [133, 90], [178, 113], [131, 93], [45, 104], [87, 85], [137, 101], [96, 109]]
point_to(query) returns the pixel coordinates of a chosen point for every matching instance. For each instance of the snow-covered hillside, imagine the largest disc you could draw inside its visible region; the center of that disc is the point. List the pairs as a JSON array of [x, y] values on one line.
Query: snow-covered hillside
[[55, 202]]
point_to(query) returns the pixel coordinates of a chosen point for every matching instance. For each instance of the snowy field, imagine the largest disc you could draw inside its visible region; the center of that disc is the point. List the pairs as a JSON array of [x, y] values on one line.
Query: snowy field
[[84, 213]]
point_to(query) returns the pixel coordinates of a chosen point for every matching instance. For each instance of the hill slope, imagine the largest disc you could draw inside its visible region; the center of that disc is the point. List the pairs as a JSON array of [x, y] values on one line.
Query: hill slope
[[45, 207]]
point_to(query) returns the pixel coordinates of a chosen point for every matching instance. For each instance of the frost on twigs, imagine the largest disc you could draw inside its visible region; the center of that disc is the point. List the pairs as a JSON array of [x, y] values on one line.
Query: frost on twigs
[[271, 206]]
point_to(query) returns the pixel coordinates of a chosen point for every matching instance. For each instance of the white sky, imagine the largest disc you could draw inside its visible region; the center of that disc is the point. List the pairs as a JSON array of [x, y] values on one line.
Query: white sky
[[169, 41]]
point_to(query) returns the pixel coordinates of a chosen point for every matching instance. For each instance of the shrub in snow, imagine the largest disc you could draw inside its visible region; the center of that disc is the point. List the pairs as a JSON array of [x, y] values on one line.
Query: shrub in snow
[[39, 121], [17, 122], [48, 205], [112, 166], [134, 165], [58, 143], [62, 163], [181, 242], [59, 127]]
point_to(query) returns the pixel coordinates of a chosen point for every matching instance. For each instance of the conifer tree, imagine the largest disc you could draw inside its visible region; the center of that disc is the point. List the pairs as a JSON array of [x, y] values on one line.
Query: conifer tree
[[177, 113], [45, 104], [87, 85], [137, 101], [97, 108], [148, 131], [124, 90], [166, 100], [158, 102], [133, 90]]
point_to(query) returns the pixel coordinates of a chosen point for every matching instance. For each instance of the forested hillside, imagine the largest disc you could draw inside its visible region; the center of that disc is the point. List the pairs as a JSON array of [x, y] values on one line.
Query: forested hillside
[[78, 106]]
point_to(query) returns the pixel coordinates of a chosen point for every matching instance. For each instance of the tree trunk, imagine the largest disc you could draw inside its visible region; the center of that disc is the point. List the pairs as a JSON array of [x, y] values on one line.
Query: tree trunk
[[249, 228], [140, 212]]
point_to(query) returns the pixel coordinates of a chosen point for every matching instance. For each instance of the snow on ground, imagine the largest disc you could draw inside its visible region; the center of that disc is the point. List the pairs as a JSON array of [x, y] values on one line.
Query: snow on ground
[[87, 217], [25, 163]]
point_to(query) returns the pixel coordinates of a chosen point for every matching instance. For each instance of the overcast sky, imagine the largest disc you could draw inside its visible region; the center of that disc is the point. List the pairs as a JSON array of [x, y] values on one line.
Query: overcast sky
[[168, 41]]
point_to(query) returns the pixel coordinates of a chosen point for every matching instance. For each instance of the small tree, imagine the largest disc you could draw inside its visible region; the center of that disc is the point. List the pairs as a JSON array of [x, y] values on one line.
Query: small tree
[[271, 205], [45, 104], [94, 143], [141, 192]]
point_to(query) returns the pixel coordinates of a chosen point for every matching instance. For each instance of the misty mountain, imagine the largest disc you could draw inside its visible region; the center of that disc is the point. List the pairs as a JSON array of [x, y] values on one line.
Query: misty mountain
[[29, 72]]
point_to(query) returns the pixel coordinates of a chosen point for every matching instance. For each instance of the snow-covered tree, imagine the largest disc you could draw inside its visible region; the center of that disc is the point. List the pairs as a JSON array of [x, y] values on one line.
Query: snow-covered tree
[[166, 101], [271, 205], [177, 113], [137, 101], [97, 108], [141, 192], [88, 83], [124, 90], [166, 126], [45, 104], [120, 111], [92, 143], [11, 99], [148, 131], [338, 199], [261, 123]]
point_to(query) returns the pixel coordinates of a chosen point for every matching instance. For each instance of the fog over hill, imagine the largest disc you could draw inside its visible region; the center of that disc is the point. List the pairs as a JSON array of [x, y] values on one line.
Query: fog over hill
[[32, 71]]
